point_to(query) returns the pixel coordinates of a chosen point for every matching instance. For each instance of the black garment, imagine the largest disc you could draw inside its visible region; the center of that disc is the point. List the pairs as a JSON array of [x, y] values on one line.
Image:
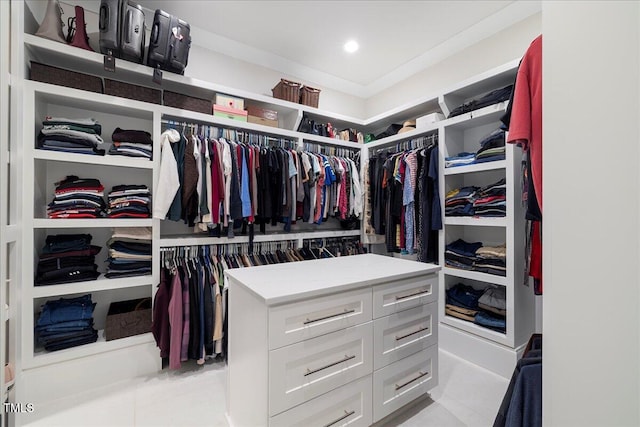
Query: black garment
[[194, 315], [490, 98], [533, 212], [209, 310], [136, 136], [175, 210], [235, 203], [190, 200]]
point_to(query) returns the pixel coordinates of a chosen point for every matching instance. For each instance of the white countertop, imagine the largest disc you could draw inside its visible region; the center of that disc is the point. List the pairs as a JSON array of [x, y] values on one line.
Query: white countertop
[[281, 283]]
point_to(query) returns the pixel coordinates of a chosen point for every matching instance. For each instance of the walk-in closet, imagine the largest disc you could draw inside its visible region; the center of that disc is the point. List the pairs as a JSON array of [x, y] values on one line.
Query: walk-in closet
[[301, 213]]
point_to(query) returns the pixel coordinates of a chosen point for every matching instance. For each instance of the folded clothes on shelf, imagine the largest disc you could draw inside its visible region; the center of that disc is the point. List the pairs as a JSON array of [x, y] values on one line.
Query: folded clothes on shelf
[[494, 300], [131, 143], [492, 148], [66, 323], [484, 307], [129, 201], [129, 252], [476, 257], [77, 198], [71, 136], [493, 97], [67, 258], [489, 201]]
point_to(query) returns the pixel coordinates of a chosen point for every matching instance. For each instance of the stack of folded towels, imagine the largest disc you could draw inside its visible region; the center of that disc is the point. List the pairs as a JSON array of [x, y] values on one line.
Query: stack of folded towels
[[66, 323], [77, 198], [129, 201], [71, 136], [129, 252], [131, 143], [67, 258]]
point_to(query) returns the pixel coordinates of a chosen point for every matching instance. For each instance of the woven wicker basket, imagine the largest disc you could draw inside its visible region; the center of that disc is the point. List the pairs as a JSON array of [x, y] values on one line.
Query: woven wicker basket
[[287, 90], [309, 96], [127, 90], [184, 102], [61, 77]]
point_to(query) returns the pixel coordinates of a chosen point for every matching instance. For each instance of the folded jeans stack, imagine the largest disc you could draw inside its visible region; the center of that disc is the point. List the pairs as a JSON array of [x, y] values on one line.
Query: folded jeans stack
[[66, 323], [459, 202], [129, 252], [491, 201], [67, 258], [129, 201], [77, 198], [71, 136], [131, 143]]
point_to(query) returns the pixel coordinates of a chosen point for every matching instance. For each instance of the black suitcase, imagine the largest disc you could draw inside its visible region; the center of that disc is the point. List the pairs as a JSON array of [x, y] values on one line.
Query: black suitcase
[[133, 33], [169, 43], [122, 30]]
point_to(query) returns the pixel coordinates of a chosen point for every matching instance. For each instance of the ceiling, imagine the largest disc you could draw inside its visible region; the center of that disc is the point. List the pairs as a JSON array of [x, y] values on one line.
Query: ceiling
[[304, 38]]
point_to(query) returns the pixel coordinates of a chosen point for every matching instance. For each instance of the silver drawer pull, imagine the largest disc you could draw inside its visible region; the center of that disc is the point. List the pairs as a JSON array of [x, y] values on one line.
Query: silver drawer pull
[[425, 292], [422, 374], [306, 322], [346, 358], [411, 333], [345, 416]]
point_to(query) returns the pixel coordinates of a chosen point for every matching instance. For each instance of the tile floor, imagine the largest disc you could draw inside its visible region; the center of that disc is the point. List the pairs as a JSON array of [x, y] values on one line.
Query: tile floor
[[467, 396]]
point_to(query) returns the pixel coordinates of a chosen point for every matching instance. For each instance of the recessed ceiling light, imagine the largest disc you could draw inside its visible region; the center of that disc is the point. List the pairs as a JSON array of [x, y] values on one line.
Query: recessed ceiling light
[[351, 46]]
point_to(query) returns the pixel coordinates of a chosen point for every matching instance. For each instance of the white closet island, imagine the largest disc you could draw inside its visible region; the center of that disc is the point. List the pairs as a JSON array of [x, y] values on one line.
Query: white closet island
[[332, 341]]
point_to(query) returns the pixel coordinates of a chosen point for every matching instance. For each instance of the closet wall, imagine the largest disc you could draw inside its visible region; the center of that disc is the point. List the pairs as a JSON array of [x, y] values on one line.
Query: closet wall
[[591, 375]]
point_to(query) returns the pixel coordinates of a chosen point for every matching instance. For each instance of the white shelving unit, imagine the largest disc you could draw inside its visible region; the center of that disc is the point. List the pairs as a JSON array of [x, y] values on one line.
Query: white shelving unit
[[493, 350], [39, 170]]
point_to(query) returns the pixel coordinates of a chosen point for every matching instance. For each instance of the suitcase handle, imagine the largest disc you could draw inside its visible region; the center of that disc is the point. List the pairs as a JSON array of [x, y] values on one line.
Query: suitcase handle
[[154, 33], [104, 17], [127, 25]]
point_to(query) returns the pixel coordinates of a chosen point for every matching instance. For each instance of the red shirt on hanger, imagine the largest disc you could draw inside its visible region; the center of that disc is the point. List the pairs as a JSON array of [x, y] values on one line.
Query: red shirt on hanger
[[526, 115]]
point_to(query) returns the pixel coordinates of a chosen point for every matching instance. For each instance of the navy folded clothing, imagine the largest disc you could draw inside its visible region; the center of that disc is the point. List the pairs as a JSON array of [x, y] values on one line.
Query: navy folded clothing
[[463, 295]]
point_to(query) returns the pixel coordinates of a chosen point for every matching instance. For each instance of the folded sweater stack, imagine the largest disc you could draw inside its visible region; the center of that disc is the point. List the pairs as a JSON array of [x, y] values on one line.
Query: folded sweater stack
[[71, 136]]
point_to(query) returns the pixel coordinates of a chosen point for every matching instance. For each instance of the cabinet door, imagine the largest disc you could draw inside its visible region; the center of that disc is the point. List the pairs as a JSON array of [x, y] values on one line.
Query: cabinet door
[[349, 405], [402, 295], [401, 382], [403, 334], [307, 369], [295, 322]]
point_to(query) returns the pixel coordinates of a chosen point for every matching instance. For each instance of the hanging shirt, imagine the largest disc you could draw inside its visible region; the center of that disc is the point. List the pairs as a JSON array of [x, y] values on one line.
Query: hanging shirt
[[526, 116]]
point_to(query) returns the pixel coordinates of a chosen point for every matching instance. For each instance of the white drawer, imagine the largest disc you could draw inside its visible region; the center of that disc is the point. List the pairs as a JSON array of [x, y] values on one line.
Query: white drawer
[[403, 334], [295, 322], [402, 295], [349, 405], [305, 370], [401, 382]]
